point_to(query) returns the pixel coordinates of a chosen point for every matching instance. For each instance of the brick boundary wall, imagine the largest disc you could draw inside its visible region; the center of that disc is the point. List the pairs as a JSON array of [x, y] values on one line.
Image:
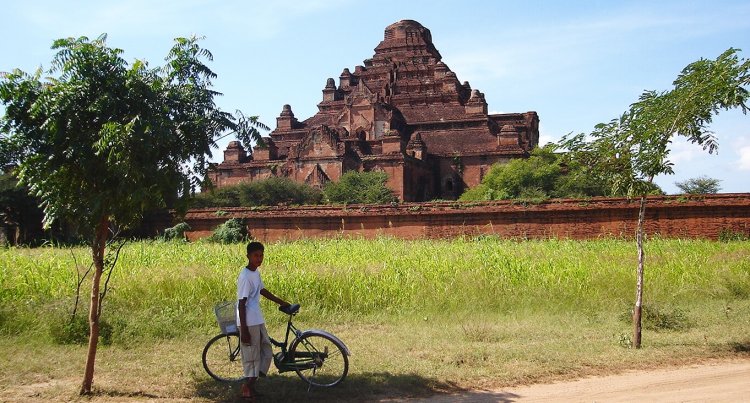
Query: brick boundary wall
[[686, 216]]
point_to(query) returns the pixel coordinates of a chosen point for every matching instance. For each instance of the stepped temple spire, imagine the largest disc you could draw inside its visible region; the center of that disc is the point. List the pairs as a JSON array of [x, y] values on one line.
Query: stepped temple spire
[[403, 112]]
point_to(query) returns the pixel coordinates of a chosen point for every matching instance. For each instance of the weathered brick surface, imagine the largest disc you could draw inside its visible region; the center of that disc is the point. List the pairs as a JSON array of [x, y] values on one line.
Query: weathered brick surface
[[667, 216], [404, 112]]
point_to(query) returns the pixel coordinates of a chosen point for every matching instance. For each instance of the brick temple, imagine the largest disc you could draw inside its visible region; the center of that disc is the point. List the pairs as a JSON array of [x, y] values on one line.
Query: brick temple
[[405, 113]]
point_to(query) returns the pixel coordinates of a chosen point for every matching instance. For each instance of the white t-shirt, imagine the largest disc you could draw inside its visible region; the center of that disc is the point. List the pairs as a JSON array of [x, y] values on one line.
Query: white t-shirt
[[249, 285]]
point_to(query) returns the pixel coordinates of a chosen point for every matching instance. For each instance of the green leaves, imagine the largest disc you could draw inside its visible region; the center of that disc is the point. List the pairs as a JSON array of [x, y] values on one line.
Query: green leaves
[[359, 187], [699, 185], [108, 139], [634, 148], [543, 175]]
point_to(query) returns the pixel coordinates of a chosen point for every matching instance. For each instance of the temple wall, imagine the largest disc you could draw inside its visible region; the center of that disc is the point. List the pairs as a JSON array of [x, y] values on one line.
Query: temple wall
[[704, 216]]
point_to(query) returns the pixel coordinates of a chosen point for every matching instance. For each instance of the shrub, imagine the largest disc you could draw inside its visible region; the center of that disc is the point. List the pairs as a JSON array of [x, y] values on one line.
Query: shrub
[[360, 187], [656, 318], [176, 232], [228, 196], [545, 174], [728, 235], [699, 185], [231, 231], [274, 191], [267, 192], [66, 330]]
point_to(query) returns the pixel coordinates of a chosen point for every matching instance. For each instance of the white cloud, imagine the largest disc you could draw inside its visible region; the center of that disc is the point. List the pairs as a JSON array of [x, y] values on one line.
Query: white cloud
[[512, 51], [741, 147], [544, 137], [544, 49], [744, 160], [684, 151], [255, 18]]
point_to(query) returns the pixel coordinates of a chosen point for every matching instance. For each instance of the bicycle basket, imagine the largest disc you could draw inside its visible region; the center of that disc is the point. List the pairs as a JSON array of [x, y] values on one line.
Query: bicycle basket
[[226, 316]]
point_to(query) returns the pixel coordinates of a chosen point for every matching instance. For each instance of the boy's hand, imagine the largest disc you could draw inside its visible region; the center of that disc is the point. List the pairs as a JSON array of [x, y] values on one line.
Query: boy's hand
[[245, 336]]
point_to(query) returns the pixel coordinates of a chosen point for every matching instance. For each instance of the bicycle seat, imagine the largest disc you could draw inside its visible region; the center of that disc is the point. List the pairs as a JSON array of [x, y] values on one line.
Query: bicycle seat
[[290, 309]]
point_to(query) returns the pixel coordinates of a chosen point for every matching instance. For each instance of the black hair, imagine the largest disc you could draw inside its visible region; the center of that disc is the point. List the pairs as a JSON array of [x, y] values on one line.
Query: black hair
[[253, 246]]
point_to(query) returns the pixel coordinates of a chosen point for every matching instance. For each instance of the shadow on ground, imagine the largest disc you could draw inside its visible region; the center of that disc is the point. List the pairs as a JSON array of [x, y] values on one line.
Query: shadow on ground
[[356, 388], [741, 347]]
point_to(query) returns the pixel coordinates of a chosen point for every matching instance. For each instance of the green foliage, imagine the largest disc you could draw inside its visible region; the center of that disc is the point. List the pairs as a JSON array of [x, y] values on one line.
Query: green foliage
[[66, 330], [634, 148], [544, 174], [275, 190], [108, 140], [359, 187], [535, 174], [728, 235], [167, 288], [231, 231], [102, 141], [267, 192], [226, 196], [176, 232], [659, 318], [699, 185]]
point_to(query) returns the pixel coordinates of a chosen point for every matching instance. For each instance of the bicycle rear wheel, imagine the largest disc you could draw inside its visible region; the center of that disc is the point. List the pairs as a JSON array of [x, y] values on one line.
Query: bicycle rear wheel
[[222, 359], [320, 360]]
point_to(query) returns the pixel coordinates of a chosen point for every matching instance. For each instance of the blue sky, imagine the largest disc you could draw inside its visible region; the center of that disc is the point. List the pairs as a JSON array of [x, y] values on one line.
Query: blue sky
[[575, 63]]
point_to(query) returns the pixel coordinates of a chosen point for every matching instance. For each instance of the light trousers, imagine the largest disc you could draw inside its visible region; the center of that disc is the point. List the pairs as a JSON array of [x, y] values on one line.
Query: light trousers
[[257, 356]]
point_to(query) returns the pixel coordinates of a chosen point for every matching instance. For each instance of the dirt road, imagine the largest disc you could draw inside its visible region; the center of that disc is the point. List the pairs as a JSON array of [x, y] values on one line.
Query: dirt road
[[718, 382]]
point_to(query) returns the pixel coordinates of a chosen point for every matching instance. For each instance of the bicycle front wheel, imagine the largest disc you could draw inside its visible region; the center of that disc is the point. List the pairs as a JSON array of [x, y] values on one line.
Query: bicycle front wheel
[[320, 360], [222, 359]]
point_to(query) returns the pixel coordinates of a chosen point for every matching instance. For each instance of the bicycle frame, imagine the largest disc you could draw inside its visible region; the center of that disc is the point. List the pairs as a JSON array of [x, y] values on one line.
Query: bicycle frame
[[284, 362], [304, 352]]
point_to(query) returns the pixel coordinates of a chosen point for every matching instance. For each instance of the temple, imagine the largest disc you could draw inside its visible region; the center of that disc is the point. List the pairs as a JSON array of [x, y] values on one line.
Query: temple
[[405, 113]]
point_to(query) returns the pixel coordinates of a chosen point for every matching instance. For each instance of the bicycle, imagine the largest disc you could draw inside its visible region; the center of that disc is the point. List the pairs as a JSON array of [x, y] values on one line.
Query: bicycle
[[316, 356]]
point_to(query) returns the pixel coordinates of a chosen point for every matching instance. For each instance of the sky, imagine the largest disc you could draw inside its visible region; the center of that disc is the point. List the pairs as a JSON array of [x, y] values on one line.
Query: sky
[[575, 63]]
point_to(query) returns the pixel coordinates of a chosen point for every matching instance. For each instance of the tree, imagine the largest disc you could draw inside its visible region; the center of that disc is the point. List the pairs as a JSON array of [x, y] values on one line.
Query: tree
[[634, 148], [103, 140], [359, 187], [699, 185], [546, 173], [536, 174]]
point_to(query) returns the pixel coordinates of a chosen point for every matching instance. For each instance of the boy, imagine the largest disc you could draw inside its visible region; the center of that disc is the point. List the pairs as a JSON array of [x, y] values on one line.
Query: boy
[[255, 344]]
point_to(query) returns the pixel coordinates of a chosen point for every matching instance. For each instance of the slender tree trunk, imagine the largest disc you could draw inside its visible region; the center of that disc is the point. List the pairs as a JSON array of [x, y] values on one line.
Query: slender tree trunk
[[97, 251], [639, 277]]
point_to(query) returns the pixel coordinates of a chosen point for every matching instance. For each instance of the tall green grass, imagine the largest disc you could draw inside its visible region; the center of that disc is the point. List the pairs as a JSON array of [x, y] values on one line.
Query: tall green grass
[[164, 289]]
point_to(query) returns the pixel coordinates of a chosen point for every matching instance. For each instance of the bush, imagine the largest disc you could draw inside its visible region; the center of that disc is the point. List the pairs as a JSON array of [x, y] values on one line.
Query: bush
[[232, 231], [228, 196], [274, 191], [176, 232], [656, 318], [360, 187], [728, 235], [66, 330], [699, 185], [267, 192], [545, 174]]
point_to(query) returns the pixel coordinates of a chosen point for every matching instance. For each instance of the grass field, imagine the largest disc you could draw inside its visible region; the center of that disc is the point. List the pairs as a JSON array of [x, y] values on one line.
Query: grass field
[[419, 316]]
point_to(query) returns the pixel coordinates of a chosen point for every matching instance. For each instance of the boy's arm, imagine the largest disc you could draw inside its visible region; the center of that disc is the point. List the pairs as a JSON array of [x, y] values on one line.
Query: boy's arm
[[244, 334], [269, 295]]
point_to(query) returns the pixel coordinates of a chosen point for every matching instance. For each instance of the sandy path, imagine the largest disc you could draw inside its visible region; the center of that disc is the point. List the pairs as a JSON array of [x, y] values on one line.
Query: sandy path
[[719, 382]]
